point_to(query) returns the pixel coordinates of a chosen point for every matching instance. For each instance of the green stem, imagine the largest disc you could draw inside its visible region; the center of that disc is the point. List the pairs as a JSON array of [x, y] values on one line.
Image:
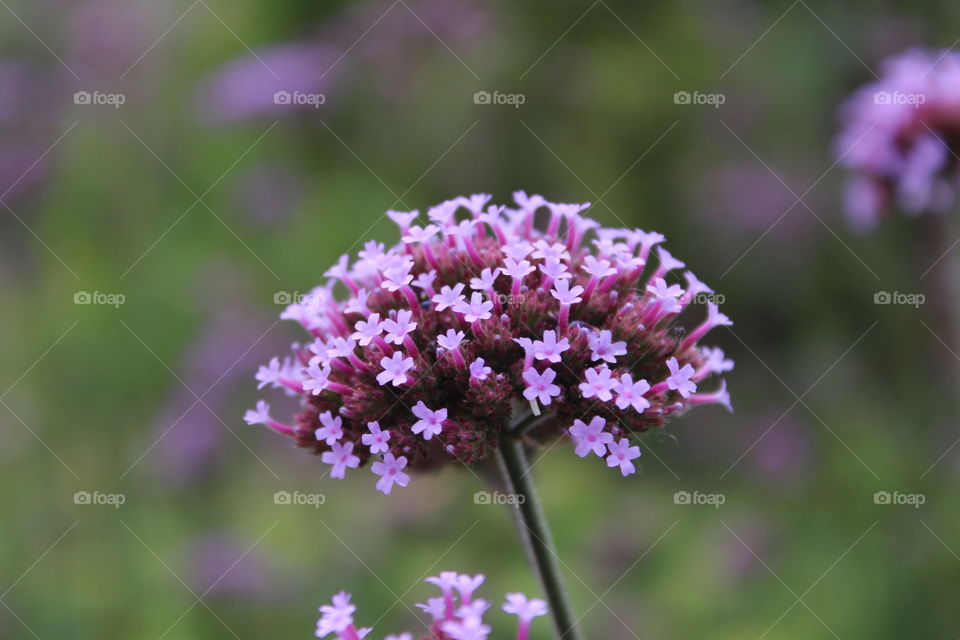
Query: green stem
[[535, 534]]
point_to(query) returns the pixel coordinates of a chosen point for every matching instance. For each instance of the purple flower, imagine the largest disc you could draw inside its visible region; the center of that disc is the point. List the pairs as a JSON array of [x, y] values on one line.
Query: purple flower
[[591, 437], [680, 378], [337, 617], [395, 369], [367, 330], [332, 429], [540, 385], [340, 456], [390, 470], [449, 297], [631, 394], [316, 379], [404, 334], [398, 329], [260, 415], [549, 348], [479, 370], [526, 610], [377, 439], [602, 347], [451, 339], [566, 294], [476, 309], [621, 454], [598, 384], [898, 137], [430, 423], [485, 281]]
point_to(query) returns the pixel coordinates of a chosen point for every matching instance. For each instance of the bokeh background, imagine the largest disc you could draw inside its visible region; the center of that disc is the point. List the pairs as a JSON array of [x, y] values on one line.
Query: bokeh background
[[199, 200]]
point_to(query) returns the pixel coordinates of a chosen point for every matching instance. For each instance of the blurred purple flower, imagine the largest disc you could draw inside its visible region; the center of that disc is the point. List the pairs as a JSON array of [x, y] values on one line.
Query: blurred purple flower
[[247, 86], [746, 197], [106, 37], [190, 435], [26, 126], [899, 135], [218, 562], [254, 85]]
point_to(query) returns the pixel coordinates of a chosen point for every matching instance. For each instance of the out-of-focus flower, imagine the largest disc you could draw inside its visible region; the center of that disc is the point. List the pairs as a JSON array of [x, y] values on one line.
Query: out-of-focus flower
[[455, 615], [28, 126], [392, 357], [899, 137], [219, 564], [108, 38], [251, 86]]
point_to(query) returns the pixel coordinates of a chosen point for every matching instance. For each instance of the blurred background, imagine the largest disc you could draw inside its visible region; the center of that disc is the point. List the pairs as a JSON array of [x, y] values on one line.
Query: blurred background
[[156, 199]]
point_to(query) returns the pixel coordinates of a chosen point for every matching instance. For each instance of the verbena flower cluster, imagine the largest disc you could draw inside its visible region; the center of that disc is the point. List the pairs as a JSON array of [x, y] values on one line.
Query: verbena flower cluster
[[455, 615], [899, 136], [484, 313]]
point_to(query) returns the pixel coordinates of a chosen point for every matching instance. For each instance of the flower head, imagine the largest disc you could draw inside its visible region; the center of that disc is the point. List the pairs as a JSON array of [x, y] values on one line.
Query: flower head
[[898, 139], [445, 339]]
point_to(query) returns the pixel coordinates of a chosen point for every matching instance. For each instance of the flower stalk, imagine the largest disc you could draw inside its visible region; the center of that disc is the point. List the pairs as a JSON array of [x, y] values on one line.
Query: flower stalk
[[535, 531]]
